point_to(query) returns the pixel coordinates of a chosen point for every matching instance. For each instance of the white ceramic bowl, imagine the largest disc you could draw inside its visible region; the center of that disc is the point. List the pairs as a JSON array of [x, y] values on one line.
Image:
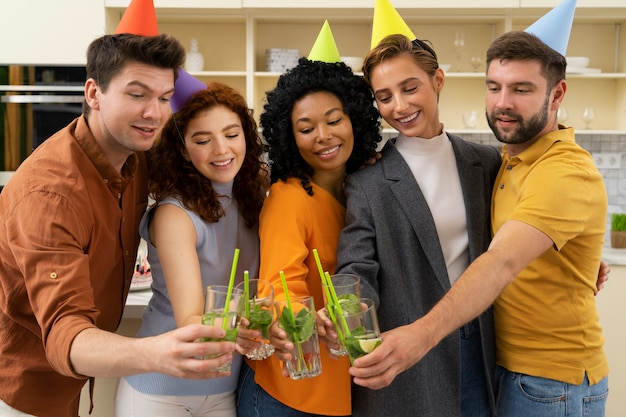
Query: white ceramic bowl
[[444, 67], [577, 61], [354, 62]]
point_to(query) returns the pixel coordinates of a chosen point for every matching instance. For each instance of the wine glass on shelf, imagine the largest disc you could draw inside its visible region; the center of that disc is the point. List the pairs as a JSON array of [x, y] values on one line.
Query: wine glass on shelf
[[459, 46], [475, 61], [470, 118], [588, 116]]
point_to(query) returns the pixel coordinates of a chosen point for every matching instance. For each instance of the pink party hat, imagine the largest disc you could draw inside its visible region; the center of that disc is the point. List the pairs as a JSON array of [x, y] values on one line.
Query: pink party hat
[[325, 49], [186, 85], [139, 19], [554, 27], [387, 21]]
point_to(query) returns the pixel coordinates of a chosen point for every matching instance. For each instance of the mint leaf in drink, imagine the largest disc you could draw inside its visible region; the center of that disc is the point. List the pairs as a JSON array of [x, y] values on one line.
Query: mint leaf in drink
[[349, 303], [304, 324], [299, 327], [260, 319], [287, 321], [209, 318]]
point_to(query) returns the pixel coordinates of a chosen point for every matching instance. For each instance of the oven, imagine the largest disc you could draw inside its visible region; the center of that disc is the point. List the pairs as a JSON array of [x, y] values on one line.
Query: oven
[[35, 102]]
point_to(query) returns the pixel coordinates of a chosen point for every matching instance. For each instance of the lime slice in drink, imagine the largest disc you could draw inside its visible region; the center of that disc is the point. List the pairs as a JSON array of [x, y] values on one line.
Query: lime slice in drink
[[368, 345]]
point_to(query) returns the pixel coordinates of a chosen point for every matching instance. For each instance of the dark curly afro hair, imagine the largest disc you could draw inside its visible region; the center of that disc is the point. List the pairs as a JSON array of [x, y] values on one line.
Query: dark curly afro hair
[[308, 77]]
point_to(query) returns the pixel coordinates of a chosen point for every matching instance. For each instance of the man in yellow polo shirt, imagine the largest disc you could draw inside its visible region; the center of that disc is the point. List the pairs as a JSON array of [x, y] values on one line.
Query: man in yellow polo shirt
[[549, 210]]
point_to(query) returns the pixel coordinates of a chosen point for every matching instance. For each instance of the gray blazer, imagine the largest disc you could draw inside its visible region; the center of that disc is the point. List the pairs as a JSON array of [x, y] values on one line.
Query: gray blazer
[[391, 242]]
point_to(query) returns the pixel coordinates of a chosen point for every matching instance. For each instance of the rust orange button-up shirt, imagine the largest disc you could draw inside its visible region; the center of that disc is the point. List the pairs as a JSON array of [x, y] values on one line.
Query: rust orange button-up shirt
[[68, 241]]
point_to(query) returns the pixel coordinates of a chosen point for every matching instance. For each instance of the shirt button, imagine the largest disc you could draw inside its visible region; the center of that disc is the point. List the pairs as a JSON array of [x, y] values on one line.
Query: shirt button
[[127, 253], [502, 186], [118, 180], [119, 195], [509, 167], [53, 275], [106, 181]]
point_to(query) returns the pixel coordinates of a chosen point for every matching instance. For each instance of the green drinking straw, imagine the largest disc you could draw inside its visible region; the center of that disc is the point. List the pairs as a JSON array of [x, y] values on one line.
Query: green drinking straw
[[294, 335], [331, 312], [327, 284], [231, 282], [246, 290], [318, 262], [336, 302], [283, 282]]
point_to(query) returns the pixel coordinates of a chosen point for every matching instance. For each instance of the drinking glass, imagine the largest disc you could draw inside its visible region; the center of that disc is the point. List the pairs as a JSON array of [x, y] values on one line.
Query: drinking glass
[[470, 118], [362, 334], [260, 303], [348, 290], [459, 45], [297, 318], [223, 312], [475, 61], [588, 116]]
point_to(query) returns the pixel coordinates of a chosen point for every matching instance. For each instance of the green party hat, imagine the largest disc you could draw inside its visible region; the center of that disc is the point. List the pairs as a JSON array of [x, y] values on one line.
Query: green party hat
[[325, 49]]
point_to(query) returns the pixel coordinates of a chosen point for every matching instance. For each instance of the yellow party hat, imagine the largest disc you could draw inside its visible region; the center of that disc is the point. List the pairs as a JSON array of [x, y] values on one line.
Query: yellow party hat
[[325, 49], [387, 21]]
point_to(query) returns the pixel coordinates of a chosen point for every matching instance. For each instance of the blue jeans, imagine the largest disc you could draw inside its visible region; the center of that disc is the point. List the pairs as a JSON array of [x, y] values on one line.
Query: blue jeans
[[254, 401], [474, 393], [521, 395]]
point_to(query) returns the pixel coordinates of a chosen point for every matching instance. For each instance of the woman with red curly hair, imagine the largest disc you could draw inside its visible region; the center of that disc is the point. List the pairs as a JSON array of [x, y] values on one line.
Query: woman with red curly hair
[[208, 185]]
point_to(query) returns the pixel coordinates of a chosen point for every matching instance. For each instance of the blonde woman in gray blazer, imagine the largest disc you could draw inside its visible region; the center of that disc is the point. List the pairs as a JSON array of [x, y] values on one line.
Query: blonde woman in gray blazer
[[414, 222]]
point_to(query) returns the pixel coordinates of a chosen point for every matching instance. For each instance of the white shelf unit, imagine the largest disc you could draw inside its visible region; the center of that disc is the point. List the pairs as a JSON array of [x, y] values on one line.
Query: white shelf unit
[[233, 40]]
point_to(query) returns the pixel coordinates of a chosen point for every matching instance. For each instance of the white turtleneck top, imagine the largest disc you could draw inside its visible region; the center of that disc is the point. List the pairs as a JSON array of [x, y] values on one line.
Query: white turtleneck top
[[433, 165]]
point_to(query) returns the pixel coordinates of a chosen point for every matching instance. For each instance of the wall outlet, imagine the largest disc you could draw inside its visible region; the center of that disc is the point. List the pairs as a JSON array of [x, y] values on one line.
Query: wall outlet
[[608, 160]]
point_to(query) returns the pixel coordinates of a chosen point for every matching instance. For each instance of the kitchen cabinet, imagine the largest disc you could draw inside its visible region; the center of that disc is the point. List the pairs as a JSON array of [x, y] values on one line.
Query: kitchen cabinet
[[612, 310], [36, 32], [579, 3], [399, 4], [233, 39], [179, 4]]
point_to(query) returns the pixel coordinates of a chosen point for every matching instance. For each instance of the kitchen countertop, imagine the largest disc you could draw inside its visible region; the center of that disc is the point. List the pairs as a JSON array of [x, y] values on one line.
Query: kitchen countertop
[[137, 300], [613, 256]]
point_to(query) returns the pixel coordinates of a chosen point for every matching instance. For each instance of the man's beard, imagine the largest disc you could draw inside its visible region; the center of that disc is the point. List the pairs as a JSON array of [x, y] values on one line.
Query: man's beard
[[526, 130]]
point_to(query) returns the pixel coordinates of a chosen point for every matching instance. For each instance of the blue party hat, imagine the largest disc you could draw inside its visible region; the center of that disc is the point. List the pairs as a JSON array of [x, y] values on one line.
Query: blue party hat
[[554, 27], [186, 85]]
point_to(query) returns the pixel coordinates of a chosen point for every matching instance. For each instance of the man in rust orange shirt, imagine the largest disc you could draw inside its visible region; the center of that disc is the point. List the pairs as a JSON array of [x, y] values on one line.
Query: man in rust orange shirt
[[69, 234]]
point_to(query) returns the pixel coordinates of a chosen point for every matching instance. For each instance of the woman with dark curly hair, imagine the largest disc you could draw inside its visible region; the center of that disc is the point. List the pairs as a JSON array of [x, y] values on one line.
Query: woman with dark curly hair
[[208, 183], [320, 125]]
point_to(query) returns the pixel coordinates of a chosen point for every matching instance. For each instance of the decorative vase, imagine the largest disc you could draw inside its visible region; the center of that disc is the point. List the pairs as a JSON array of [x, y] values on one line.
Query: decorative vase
[[618, 239], [194, 61]]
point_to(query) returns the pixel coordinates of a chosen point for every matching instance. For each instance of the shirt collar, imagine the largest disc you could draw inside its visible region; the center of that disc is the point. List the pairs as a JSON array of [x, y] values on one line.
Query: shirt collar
[[88, 143], [541, 146]]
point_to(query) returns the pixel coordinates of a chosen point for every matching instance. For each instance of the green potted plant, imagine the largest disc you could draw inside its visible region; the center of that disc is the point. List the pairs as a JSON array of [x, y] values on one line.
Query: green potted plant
[[618, 230]]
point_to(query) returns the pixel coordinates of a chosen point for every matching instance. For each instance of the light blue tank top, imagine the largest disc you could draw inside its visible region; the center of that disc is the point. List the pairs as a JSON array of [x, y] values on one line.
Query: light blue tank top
[[216, 243]]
